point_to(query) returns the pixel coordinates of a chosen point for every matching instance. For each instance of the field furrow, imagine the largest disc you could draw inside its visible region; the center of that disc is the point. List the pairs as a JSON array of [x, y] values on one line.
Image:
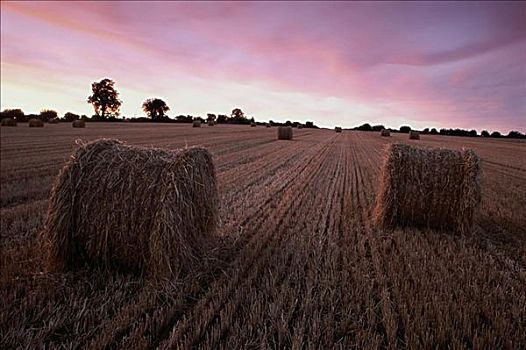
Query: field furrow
[[297, 261]]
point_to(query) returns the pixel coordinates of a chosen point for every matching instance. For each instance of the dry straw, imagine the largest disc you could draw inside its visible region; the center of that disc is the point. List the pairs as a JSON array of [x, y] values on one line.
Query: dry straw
[[285, 133], [430, 188], [414, 135], [385, 132], [338, 129], [36, 123], [8, 122], [141, 210], [79, 123], [196, 124]]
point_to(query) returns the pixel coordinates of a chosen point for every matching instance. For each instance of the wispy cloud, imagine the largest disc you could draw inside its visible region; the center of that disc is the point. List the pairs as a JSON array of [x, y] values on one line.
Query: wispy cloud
[[445, 64]]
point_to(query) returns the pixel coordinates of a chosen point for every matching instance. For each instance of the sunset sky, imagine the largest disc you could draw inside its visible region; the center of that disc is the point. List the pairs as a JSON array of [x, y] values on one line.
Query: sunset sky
[[341, 63]]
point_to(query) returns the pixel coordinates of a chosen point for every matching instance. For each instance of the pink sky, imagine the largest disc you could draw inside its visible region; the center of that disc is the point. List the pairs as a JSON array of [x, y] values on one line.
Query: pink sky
[[337, 63]]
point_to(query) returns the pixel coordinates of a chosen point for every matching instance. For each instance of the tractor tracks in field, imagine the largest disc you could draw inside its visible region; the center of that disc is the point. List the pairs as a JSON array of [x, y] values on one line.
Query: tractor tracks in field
[[247, 267], [284, 179]]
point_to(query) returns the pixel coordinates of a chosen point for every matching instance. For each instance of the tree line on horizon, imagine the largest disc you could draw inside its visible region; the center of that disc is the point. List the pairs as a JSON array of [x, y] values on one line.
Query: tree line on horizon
[[106, 104], [448, 132]]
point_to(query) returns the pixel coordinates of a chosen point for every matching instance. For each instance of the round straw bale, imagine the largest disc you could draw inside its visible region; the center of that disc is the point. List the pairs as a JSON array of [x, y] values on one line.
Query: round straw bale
[[285, 133], [338, 129], [300, 126], [36, 123], [8, 122], [79, 123], [430, 188], [211, 123], [140, 210], [196, 124], [385, 132], [414, 135], [253, 125], [268, 125]]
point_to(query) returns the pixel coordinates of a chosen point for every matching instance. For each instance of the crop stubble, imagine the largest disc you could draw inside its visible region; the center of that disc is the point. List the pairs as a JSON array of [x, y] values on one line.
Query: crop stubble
[[300, 264]]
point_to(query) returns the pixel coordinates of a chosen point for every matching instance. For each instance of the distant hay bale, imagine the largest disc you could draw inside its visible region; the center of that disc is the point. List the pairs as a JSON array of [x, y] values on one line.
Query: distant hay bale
[[268, 125], [8, 122], [385, 132], [300, 126], [196, 124], [53, 121], [211, 123], [252, 124], [79, 123], [430, 188], [36, 123], [414, 135], [142, 210], [338, 129], [285, 133]]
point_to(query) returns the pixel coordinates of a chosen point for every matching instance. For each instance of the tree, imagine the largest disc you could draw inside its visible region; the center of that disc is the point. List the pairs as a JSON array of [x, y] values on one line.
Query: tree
[[48, 114], [496, 134], [155, 108], [425, 131], [105, 99], [434, 131], [378, 127], [364, 127], [238, 114], [472, 133], [405, 129], [15, 114], [221, 118], [484, 133], [184, 118], [516, 135], [211, 117], [69, 117], [307, 124]]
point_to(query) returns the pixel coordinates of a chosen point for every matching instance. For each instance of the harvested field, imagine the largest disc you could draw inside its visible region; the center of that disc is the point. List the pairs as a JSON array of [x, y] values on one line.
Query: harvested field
[[79, 123], [35, 123], [299, 263]]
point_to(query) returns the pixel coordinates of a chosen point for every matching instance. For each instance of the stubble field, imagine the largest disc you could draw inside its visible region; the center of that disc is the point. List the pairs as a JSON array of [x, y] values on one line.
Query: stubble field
[[298, 263]]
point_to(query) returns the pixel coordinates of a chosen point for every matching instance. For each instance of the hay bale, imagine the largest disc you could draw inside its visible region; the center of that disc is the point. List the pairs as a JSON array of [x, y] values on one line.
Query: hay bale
[[79, 123], [285, 133], [211, 123], [385, 132], [414, 135], [8, 122], [196, 124], [300, 126], [53, 121], [338, 129], [430, 188], [141, 210], [36, 123], [268, 125], [252, 125]]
